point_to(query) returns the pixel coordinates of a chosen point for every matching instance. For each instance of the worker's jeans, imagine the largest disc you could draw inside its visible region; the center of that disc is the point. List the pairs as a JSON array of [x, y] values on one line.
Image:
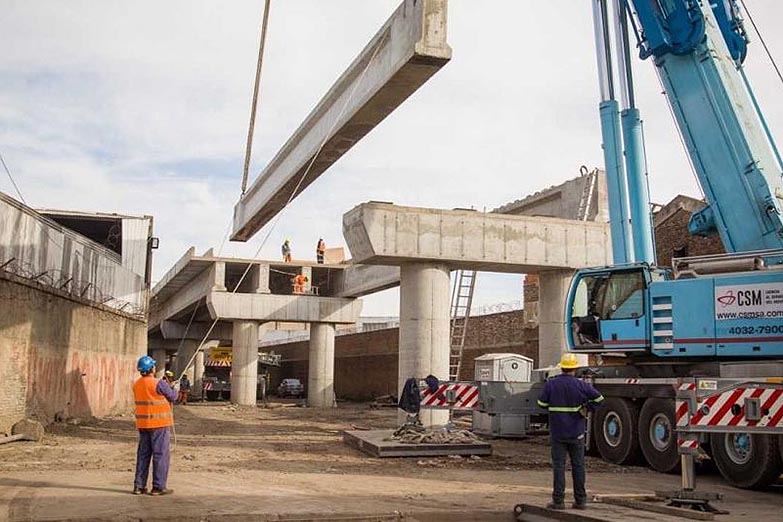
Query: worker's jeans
[[575, 449], [154, 445]]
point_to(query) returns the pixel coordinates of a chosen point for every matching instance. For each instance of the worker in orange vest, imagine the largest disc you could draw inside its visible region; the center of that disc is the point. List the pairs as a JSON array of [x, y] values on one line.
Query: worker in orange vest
[[154, 417], [299, 283]]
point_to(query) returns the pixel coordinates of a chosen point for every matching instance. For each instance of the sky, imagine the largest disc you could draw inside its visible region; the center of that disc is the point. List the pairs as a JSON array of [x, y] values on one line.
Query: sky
[[142, 108]]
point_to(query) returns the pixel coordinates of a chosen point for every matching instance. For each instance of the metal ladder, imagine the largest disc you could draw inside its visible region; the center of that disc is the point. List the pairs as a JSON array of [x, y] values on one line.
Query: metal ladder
[[587, 193], [461, 299]]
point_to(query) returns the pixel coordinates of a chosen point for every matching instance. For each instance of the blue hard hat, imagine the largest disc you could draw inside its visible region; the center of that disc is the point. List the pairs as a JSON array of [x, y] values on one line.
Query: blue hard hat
[[145, 364]]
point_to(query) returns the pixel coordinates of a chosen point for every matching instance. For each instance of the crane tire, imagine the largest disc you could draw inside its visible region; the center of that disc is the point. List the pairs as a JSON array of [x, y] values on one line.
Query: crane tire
[[658, 435], [616, 423], [747, 461], [780, 444]]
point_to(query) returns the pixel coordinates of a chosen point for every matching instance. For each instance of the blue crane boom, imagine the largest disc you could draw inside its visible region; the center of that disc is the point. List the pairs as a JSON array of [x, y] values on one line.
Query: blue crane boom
[[698, 51]]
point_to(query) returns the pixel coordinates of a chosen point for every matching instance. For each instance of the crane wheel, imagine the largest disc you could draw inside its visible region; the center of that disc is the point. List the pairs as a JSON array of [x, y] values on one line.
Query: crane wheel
[[658, 435], [616, 422], [780, 444], [745, 460]]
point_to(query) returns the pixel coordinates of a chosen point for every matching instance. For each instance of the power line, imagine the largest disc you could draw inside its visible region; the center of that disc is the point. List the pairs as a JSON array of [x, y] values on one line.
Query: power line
[[10, 176], [761, 39]]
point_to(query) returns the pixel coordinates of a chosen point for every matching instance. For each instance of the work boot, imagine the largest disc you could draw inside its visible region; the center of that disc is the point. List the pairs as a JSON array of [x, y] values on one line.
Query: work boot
[[157, 492], [579, 505], [556, 505], [139, 491]]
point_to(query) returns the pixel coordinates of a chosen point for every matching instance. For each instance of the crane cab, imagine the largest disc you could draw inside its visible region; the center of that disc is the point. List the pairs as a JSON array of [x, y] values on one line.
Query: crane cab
[[608, 309]]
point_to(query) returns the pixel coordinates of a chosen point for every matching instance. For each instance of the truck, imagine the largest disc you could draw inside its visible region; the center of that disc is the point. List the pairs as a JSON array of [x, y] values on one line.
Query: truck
[[216, 382], [689, 357]]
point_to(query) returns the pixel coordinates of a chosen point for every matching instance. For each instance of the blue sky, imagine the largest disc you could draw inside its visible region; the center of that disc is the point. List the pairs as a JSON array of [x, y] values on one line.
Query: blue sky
[[142, 107]]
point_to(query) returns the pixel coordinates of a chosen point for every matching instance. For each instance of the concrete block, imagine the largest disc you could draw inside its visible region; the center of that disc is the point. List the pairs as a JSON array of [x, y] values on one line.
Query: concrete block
[[385, 234]]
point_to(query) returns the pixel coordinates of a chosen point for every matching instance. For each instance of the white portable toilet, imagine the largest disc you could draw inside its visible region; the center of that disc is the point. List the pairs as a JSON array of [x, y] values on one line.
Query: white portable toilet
[[503, 367], [502, 379]]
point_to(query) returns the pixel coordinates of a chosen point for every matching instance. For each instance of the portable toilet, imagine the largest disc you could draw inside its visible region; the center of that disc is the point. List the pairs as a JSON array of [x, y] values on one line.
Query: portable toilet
[[504, 380]]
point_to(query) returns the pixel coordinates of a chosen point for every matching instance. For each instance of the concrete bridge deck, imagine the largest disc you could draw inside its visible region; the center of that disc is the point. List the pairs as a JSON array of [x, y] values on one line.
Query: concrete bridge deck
[[201, 290]]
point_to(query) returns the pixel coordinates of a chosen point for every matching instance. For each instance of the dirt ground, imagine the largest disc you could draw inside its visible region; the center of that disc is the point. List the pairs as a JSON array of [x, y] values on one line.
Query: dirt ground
[[287, 460]]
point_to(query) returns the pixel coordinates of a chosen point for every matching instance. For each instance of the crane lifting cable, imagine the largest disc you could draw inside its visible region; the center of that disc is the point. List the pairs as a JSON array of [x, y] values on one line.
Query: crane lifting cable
[[251, 127]]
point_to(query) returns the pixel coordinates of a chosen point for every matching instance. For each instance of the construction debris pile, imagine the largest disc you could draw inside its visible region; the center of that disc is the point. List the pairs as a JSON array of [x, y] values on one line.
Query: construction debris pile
[[417, 434]]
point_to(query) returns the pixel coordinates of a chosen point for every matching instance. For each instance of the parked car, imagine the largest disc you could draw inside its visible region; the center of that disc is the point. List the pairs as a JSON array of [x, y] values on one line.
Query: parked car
[[290, 388]]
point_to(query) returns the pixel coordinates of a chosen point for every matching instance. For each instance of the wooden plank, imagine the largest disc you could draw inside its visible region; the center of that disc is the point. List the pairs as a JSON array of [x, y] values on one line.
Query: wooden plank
[[658, 508]]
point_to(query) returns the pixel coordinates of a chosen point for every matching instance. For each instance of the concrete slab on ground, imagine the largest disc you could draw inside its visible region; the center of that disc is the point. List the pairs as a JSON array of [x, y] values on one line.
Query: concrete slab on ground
[[400, 58], [378, 444]]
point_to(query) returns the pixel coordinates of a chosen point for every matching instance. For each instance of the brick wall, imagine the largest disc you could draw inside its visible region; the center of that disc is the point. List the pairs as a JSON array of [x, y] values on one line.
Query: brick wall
[[62, 356], [672, 239], [366, 363]]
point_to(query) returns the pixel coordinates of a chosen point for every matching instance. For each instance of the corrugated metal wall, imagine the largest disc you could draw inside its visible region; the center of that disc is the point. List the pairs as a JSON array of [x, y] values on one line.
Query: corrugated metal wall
[[36, 246]]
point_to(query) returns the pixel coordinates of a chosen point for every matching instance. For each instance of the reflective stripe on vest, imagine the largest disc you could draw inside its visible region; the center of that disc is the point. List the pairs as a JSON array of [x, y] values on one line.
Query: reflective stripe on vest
[[152, 409]]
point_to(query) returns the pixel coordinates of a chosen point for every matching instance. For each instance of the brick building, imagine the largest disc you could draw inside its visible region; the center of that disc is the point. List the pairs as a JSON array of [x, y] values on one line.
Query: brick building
[[672, 238]]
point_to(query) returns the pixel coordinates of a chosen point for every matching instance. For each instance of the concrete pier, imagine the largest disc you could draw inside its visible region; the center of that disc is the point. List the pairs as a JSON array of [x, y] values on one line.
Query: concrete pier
[[320, 373], [244, 365], [159, 354], [553, 290], [198, 371], [184, 353], [424, 329]]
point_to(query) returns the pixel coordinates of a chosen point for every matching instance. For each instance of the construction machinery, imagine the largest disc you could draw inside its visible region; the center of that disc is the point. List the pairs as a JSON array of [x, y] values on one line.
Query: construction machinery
[[693, 355]]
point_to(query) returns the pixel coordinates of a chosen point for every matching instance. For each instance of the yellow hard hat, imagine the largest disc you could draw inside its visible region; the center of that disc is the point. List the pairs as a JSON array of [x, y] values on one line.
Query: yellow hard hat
[[568, 361], [169, 373]]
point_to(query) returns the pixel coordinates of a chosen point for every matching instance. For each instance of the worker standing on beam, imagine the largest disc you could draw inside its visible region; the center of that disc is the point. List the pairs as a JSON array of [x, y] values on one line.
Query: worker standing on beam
[[320, 250], [286, 248], [567, 399], [154, 418]]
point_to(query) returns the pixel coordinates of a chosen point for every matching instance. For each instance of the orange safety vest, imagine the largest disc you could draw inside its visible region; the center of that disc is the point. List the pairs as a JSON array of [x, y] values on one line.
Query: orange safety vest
[[300, 280], [152, 409]]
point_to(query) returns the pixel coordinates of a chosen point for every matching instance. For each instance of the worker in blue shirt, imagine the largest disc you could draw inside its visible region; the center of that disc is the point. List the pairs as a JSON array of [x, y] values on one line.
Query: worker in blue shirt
[[567, 399]]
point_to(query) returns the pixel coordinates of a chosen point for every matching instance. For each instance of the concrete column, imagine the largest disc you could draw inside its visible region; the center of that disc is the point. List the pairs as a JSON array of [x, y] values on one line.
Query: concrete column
[[184, 353], [553, 290], [244, 364], [424, 329], [259, 279], [198, 367], [218, 276], [320, 366], [159, 354]]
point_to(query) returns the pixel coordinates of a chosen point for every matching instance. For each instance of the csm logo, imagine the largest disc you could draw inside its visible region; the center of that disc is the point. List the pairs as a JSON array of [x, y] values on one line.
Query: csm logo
[[741, 298], [727, 299]]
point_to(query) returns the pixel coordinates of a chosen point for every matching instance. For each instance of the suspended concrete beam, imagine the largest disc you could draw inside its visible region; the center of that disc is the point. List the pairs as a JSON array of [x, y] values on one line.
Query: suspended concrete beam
[[386, 234], [405, 53]]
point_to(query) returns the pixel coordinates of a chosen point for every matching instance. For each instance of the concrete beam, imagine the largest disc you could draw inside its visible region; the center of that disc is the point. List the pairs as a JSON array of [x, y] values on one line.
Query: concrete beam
[[173, 330], [360, 280], [290, 308], [386, 234], [404, 54]]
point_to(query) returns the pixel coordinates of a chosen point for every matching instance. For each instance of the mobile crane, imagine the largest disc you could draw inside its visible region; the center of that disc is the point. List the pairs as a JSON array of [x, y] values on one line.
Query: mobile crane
[[701, 345]]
